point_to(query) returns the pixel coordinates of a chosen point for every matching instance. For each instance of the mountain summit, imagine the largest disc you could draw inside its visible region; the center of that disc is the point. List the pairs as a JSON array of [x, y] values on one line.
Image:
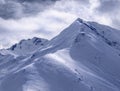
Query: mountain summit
[[83, 57]]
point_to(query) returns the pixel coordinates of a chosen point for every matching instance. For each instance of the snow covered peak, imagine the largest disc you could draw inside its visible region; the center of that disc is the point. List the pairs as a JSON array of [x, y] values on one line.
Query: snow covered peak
[[28, 46], [80, 20], [68, 36]]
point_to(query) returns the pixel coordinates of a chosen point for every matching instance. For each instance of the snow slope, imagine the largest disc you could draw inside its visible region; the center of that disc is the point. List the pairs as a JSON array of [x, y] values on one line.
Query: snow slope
[[83, 57]]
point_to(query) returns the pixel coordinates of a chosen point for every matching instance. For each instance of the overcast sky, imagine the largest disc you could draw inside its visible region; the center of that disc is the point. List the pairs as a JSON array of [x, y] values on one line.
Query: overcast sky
[[22, 19]]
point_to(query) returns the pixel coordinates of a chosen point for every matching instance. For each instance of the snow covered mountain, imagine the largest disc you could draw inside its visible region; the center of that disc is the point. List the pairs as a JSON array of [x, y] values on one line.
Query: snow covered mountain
[[83, 57], [25, 47]]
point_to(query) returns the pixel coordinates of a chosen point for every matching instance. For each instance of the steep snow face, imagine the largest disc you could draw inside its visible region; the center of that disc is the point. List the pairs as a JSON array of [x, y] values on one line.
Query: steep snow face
[[107, 34], [84, 57]]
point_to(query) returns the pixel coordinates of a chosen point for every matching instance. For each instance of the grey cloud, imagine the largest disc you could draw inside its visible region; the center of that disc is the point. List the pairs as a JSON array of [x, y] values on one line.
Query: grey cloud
[[21, 8], [107, 6], [9, 10], [16, 9], [3, 31], [84, 1], [41, 1], [110, 9]]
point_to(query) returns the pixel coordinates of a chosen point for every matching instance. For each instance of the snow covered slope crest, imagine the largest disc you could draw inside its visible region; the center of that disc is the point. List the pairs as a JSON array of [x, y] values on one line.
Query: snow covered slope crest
[[83, 57]]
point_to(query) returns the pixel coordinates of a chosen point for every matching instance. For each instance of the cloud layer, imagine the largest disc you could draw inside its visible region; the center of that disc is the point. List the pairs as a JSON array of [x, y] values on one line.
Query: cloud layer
[[22, 8], [22, 19]]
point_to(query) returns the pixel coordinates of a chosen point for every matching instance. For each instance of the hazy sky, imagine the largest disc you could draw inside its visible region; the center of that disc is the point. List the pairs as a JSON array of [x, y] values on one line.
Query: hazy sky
[[22, 19]]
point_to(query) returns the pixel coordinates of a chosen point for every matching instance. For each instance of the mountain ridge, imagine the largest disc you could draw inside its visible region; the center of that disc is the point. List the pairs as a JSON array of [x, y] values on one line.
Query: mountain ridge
[[79, 58]]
